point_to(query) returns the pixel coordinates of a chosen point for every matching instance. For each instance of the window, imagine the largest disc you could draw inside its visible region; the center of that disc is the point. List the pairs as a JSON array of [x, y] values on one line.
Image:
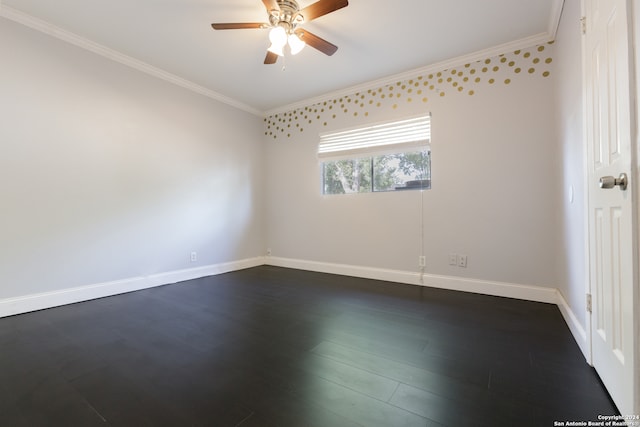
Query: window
[[383, 157]]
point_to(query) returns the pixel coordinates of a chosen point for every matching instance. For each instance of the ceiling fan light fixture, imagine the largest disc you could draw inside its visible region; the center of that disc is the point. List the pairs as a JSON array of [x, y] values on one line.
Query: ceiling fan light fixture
[[278, 37], [278, 50], [295, 44]]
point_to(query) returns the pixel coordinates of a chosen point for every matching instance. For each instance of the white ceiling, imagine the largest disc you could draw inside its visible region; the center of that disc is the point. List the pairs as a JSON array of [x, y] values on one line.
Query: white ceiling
[[376, 39]]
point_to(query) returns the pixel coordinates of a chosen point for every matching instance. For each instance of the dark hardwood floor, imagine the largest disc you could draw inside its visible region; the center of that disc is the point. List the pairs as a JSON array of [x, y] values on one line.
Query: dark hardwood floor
[[276, 347]]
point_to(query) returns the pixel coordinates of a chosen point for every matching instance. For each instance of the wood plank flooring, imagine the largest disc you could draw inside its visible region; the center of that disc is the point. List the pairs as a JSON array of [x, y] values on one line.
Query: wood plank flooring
[[277, 347]]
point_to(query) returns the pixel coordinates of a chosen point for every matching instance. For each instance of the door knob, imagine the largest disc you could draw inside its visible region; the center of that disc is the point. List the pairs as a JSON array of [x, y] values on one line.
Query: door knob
[[610, 182]]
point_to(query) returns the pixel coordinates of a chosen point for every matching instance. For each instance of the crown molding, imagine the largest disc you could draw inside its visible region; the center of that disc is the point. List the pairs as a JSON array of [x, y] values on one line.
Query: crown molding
[[439, 66], [554, 18], [69, 37], [76, 40]]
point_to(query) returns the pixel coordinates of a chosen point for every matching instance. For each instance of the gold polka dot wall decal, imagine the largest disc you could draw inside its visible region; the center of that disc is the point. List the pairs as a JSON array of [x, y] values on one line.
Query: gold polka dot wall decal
[[415, 89], [540, 48]]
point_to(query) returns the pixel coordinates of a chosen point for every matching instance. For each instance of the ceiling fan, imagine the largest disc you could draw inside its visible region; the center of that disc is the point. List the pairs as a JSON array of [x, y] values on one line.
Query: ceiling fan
[[285, 18]]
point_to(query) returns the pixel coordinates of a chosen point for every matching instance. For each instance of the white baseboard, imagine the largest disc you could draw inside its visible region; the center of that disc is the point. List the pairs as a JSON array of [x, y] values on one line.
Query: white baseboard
[[40, 301], [548, 295], [501, 289], [577, 330]]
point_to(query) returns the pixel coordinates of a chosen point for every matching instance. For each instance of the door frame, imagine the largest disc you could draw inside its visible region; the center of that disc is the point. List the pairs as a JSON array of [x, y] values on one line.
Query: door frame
[[634, 30]]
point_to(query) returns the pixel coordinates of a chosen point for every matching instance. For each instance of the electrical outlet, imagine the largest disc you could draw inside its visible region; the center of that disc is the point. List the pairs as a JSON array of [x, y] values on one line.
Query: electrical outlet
[[422, 261], [194, 256], [462, 261], [268, 251], [453, 259]]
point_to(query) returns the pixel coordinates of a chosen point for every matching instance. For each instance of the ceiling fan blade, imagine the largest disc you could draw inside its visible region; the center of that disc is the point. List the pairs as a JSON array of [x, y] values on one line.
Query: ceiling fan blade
[[321, 8], [271, 5], [316, 42], [271, 58], [239, 25]]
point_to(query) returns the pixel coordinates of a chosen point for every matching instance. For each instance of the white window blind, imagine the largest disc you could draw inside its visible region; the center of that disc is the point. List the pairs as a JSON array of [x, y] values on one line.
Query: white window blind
[[398, 136]]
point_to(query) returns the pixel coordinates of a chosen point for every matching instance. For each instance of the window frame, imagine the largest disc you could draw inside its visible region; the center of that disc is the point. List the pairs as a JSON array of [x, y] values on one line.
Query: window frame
[[409, 135]]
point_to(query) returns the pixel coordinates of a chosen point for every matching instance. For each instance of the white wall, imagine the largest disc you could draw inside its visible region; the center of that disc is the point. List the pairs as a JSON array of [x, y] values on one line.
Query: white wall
[[495, 195], [108, 174], [569, 103]]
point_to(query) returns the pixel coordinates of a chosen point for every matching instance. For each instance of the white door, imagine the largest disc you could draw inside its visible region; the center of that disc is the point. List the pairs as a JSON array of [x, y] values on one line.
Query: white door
[[611, 211]]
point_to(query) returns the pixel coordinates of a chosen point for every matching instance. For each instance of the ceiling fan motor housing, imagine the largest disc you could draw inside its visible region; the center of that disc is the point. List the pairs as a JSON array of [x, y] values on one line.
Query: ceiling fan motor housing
[[288, 16]]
